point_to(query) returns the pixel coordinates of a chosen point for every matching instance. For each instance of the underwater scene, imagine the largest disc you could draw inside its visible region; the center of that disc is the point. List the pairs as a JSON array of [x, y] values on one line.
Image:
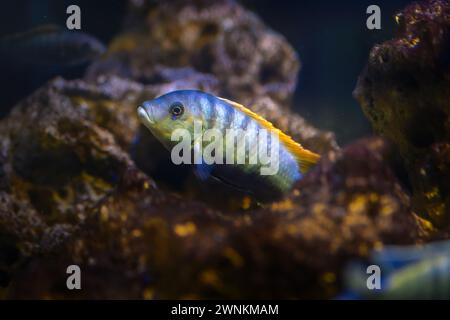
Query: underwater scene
[[254, 149]]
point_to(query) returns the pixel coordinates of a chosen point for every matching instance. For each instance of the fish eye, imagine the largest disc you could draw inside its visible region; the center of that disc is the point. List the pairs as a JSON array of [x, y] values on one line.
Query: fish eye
[[176, 109]]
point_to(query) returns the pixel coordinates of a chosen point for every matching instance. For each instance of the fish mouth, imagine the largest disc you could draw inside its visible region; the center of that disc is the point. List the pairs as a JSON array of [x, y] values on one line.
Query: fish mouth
[[146, 119]]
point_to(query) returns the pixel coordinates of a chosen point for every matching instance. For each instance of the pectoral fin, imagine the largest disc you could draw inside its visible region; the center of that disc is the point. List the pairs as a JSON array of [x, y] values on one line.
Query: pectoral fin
[[203, 171]]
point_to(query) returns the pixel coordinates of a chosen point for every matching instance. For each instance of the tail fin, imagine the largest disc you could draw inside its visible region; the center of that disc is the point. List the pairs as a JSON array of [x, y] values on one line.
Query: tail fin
[[305, 158]]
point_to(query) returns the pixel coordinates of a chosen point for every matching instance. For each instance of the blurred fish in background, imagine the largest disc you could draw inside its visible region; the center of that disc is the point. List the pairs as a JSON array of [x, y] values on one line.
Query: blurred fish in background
[[30, 58], [37, 46], [411, 272], [50, 45]]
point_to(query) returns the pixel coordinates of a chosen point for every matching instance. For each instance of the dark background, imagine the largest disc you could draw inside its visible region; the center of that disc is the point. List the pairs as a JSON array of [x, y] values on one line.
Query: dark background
[[333, 43], [330, 36]]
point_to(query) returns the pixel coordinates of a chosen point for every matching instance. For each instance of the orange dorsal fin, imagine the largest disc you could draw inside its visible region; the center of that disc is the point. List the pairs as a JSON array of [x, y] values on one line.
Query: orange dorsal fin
[[304, 157]]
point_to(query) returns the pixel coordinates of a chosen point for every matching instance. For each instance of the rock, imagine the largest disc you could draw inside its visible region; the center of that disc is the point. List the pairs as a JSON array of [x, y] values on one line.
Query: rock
[[141, 243], [62, 158], [214, 37], [57, 166], [404, 91]]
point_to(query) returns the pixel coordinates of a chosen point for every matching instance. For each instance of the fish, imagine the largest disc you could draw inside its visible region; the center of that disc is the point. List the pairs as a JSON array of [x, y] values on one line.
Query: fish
[[407, 272], [50, 45], [184, 109], [29, 59]]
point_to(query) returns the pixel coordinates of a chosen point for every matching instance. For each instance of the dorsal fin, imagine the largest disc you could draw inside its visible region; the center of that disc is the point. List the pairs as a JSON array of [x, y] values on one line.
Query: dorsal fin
[[304, 157]]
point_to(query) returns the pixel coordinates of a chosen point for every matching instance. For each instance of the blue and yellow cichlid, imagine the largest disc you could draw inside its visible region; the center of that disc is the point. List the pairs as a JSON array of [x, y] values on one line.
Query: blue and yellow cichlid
[[184, 108], [406, 272]]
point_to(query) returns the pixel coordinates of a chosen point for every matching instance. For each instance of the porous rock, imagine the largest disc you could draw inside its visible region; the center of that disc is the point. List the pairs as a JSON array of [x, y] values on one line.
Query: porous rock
[[404, 91], [215, 37]]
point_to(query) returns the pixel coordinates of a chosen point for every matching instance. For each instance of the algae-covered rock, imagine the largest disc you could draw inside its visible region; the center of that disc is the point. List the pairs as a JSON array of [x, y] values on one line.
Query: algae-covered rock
[[404, 91], [141, 243], [215, 37], [56, 167]]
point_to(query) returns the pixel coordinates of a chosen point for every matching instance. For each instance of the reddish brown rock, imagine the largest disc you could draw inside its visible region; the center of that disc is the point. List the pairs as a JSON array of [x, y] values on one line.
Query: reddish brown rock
[[404, 91], [140, 242], [214, 37]]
